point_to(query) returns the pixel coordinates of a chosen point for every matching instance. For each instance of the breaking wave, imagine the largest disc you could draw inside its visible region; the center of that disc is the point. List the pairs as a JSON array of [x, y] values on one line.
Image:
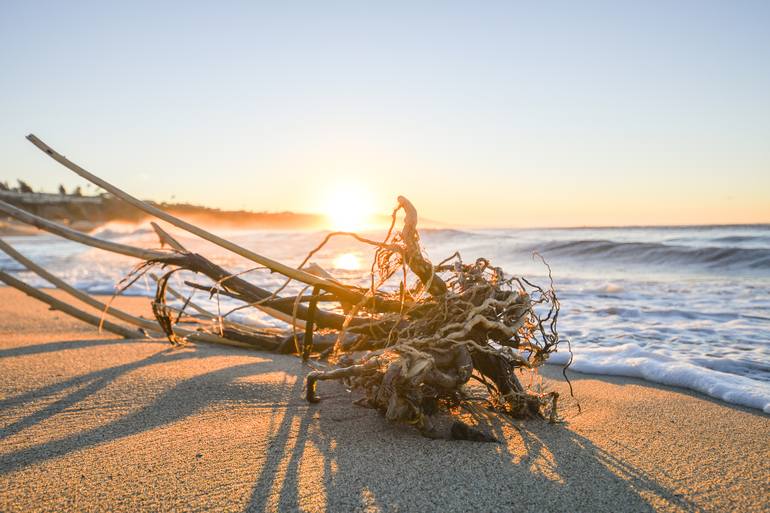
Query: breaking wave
[[653, 253]]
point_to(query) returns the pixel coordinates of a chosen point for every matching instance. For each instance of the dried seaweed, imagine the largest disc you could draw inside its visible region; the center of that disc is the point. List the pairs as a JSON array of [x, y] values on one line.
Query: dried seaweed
[[409, 342]]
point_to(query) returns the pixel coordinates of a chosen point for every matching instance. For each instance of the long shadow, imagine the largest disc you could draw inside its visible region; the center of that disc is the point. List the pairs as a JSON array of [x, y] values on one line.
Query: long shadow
[[362, 461], [367, 463], [79, 380], [85, 385], [592, 468], [183, 400], [52, 347], [101, 377], [277, 450]]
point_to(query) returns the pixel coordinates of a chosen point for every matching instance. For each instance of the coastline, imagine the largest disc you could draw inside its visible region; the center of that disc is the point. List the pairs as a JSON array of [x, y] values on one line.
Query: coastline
[[92, 422], [10, 228]]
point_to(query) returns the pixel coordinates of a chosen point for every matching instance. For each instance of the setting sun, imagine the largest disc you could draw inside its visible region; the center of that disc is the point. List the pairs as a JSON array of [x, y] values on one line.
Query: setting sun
[[348, 209]]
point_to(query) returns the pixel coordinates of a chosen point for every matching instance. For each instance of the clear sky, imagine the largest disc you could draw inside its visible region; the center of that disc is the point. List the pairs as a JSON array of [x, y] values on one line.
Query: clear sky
[[482, 113]]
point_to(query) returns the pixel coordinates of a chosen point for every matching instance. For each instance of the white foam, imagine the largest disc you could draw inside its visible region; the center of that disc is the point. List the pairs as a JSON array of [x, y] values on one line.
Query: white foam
[[633, 361]]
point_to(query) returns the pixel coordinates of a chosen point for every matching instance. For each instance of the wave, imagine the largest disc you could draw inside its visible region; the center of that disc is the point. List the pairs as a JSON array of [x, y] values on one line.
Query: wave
[[116, 229], [446, 232], [739, 239], [661, 254], [631, 360], [753, 241]]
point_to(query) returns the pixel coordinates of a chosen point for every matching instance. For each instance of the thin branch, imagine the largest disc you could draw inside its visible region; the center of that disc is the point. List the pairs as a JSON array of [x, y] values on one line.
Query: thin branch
[[166, 238], [63, 307], [278, 267], [72, 291]]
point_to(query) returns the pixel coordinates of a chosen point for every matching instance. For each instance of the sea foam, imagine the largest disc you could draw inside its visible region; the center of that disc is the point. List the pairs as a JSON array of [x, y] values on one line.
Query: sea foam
[[632, 361]]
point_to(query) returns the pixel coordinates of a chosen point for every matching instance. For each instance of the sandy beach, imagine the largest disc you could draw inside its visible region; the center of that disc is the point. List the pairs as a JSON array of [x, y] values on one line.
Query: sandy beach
[[95, 423]]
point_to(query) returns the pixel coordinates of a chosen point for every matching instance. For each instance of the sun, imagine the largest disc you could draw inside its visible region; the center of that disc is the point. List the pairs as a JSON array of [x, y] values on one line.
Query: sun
[[348, 209]]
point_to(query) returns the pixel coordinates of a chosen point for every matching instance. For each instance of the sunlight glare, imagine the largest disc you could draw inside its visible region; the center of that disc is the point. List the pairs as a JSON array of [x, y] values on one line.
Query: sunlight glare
[[348, 209], [347, 262]]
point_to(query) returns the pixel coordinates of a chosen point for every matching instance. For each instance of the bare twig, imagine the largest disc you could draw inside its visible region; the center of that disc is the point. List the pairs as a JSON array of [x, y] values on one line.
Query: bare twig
[[166, 238], [72, 291], [63, 307], [290, 272], [414, 348]]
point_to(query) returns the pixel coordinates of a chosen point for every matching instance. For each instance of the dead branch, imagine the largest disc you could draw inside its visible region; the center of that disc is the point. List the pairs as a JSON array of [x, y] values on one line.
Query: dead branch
[[414, 258], [410, 352], [342, 292], [63, 307], [76, 236], [72, 291], [166, 238], [249, 292]]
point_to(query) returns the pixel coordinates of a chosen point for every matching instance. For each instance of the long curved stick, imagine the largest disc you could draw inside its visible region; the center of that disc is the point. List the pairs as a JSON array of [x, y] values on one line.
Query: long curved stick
[[57, 304], [114, 247], [91, 319], [76, 236], [72, 291], [302, 276]]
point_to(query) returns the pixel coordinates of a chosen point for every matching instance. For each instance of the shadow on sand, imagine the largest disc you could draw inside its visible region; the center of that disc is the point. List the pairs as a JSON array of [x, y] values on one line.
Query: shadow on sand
[[339, 457], [365, 464]]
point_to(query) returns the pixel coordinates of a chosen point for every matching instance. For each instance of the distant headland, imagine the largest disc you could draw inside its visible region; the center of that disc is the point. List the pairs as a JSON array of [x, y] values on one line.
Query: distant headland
[[86, 212]]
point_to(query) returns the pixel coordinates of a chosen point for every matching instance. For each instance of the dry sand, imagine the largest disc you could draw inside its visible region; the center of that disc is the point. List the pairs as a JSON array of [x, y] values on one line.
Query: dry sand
[[93, 423]]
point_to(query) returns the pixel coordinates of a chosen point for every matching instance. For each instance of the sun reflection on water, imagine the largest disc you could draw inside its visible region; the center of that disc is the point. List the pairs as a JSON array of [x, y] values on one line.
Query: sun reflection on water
[[347, 262]]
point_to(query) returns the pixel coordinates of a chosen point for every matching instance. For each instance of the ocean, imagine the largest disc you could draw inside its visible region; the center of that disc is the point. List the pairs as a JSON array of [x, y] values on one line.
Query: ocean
[[681, 306]]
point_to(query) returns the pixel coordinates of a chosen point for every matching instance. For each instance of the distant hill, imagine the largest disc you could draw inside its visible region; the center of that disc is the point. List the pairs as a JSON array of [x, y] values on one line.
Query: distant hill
[[96, 210], [243, 218]]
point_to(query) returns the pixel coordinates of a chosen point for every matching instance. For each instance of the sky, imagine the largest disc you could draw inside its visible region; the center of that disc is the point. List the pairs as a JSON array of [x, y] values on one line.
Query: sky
[[481, 113]]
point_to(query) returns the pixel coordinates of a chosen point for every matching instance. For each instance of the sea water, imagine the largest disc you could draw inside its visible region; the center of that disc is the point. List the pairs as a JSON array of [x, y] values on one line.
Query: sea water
[[681, 306]]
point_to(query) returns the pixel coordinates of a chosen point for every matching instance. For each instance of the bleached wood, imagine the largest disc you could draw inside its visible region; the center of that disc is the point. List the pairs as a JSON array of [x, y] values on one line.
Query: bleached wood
[[76, 236], [275, 266], [70, 310], [77, 294]]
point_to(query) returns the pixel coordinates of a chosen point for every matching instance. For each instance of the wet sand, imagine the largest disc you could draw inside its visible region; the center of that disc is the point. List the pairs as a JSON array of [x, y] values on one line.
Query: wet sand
[[89, 422]]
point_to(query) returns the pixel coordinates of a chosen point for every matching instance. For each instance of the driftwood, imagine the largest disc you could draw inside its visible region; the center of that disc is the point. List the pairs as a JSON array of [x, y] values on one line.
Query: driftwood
[[410, 351], [146, 327], [77, 294], [66, 308], [296, 274]]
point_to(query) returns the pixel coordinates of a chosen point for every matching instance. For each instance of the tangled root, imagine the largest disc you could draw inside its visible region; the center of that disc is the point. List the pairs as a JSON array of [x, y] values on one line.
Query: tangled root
[[412, 350], [478, 323]]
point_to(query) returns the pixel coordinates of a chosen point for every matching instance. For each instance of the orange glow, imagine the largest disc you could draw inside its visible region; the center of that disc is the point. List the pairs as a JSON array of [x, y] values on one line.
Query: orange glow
[[348, 208], [347, 262]]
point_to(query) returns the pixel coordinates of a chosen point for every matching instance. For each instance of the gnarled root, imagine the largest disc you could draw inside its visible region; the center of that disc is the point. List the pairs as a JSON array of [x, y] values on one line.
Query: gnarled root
[[416, 345]]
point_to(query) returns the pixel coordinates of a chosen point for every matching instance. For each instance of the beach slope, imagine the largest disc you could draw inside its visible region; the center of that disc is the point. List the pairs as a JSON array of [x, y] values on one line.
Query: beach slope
[[94, 423]]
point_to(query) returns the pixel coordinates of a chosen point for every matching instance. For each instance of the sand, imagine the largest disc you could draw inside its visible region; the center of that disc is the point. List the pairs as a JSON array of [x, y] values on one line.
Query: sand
[[94, 423]]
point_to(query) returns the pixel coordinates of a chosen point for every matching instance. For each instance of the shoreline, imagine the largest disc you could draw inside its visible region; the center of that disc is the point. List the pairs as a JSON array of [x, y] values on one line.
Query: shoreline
[[15, 229], [91, 422]]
